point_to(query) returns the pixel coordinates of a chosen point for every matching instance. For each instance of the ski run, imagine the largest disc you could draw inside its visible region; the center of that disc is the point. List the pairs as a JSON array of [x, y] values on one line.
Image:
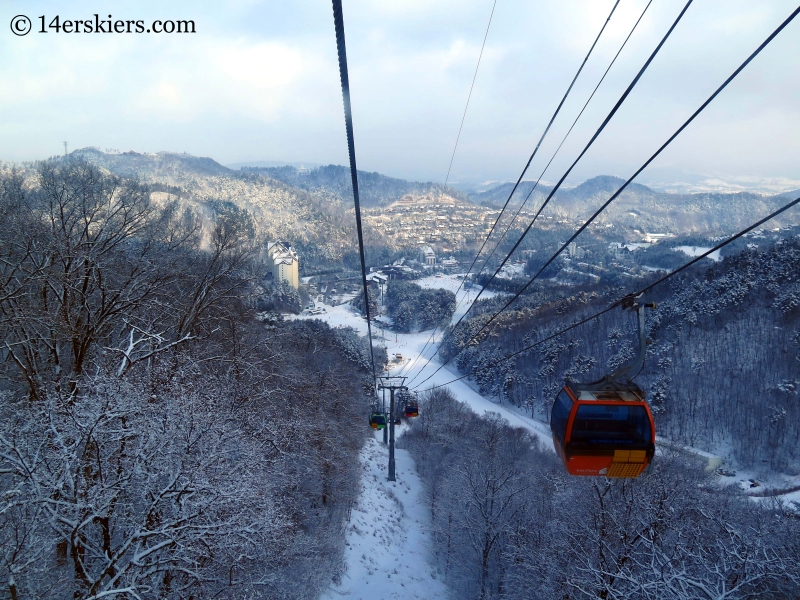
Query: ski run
[[388, 553], [388, 534]]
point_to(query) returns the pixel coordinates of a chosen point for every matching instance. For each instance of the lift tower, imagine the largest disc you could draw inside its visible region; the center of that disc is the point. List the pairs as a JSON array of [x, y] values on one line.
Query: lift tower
[[391, 383]]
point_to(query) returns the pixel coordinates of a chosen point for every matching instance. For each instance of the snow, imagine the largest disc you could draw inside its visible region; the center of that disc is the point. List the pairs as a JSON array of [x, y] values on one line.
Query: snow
[[512, 270], [464, 392], [464, 298], [698, 250], [388, 536], [343, 315], [410, 346], [452, 283], [444, 282], [419, 368]]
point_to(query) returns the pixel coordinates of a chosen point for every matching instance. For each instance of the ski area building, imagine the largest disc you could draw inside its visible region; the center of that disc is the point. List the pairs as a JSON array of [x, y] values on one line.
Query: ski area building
[[284, 263]]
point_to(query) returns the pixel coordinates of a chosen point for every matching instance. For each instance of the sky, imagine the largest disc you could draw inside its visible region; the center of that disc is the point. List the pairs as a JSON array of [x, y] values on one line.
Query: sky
[[258, 81]]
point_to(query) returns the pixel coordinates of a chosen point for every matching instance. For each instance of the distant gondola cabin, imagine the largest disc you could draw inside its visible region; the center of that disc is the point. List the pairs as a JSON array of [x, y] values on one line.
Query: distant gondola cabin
[[377, 420], [603, 429]]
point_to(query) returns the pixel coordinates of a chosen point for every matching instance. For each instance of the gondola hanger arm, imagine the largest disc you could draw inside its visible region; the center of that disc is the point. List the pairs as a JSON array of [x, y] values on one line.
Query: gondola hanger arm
[[633, 303]]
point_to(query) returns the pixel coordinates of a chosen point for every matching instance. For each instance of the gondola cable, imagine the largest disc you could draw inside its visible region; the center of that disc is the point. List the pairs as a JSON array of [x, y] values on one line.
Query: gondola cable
[[338, 20], [544, 134], [547, 166], [525, 170], [564, 139], [617, 303], [452, 157], [558, 185], [469, 96], [628, 182]]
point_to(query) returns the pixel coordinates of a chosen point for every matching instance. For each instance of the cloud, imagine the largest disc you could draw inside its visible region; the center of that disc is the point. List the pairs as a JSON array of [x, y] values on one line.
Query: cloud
[[52, 70], [259, 81]]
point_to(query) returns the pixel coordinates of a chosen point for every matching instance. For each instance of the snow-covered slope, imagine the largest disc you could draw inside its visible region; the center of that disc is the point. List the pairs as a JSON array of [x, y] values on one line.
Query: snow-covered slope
[[388, 534]]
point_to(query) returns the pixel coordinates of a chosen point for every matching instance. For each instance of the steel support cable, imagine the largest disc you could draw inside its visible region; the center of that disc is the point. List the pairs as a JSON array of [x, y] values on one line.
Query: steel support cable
[[525, 170], [558, 185], [452, 158], [564, 139], [645, 165], [552, 158], [471, 87], [541, 139], [628, 182], [338, 21], [615, 304]]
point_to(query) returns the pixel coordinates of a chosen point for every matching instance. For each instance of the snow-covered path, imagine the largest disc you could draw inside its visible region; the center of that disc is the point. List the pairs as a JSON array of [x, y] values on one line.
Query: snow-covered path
[[479, 404], [388, 537], [410, 345]]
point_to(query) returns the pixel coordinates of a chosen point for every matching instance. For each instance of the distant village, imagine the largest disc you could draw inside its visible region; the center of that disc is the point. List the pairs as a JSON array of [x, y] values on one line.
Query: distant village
[[435, 235], [428, 219], [435, 231]]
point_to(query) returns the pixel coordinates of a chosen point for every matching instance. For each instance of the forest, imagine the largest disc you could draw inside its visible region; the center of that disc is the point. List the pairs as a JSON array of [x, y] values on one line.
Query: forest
[[375, 189], [414, 308], [722, 360], [510, 523], [156, 439], [278, 297]]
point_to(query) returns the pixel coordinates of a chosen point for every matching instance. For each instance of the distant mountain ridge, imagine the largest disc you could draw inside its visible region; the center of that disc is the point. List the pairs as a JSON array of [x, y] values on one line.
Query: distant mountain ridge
[[320, 227], [793, 194], [332, 180], [602, 184], [642, 208], [374, 189], [271, 163], [146, 166], [307, 203]]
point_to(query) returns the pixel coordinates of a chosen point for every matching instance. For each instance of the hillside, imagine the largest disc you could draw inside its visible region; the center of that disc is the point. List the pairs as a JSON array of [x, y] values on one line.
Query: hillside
[[334, 180], [321, 226], [154, 430], [314, 209], [155, 420], [721, 371], [147, 166]]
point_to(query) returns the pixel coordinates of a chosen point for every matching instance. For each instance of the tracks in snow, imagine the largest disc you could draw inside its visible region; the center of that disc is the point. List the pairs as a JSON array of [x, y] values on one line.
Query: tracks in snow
[[388, 536]]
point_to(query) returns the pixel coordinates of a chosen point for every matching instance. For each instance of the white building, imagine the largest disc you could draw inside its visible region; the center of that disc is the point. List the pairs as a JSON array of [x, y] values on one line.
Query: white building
[[620, 251], [449, 264], [427, 256], [284, 263], [575, 251], [652, 238]]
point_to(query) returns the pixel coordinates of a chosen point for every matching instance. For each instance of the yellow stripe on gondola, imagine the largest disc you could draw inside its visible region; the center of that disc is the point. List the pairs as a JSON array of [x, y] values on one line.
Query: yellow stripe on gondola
[[627, 463]]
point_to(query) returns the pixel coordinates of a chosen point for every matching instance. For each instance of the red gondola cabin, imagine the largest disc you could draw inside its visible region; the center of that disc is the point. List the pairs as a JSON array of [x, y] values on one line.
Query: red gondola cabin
[[603, 428]]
